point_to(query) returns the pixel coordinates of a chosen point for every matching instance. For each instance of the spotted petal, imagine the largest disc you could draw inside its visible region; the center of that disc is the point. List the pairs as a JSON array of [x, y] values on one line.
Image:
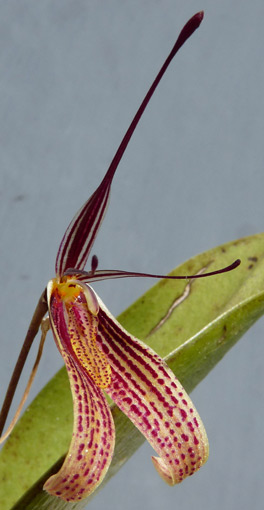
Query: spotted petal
[[147, 391], [92, 444]]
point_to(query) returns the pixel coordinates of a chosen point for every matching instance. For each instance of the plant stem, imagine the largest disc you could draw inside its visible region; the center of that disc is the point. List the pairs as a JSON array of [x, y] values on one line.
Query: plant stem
[[40, 311]]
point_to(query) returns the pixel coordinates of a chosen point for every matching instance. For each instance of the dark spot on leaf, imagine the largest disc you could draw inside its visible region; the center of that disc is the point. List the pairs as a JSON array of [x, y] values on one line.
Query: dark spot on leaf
[[253, 259], [223, 336]]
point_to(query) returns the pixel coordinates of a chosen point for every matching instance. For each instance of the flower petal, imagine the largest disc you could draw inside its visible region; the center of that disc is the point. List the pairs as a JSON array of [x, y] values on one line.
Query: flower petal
[[106, 274], [92, 444], [147, 391], [81, 232]]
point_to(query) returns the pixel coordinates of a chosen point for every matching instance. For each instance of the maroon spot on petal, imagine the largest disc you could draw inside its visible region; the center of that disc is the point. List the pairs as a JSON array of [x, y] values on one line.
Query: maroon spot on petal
[[156, 423], [145, 420], [135, 410], [195, 440], [174, 400], [184, 402], [185, 437], [183, 414], [178, 424], [164, 372], [91, 440], [79, 457], [160, 381], [182, 456]]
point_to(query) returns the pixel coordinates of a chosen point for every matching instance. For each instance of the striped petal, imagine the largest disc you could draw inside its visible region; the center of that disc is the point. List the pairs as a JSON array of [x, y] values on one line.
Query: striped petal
[[147, 391], [92, 444], [81, 232]]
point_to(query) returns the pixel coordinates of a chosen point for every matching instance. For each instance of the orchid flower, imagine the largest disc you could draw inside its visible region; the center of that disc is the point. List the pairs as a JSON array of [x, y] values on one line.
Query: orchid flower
[[101, 357]]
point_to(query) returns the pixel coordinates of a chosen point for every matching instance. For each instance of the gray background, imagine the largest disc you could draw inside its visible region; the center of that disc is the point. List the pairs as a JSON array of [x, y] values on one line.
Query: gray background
[[72, 74]]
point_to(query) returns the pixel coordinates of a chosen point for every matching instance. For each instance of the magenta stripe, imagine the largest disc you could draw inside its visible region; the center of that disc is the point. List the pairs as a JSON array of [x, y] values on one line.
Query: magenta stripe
[[116, 348], [127, 341], [93, 233], [80, 234]]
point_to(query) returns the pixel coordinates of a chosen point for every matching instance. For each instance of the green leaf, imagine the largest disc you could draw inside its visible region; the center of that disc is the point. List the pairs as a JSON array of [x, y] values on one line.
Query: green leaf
[[190, 323]]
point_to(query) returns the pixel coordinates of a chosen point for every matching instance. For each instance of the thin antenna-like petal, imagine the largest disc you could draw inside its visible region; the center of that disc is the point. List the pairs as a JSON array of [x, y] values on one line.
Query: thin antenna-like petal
[[82, 231], [147, 391], [107, 274]]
